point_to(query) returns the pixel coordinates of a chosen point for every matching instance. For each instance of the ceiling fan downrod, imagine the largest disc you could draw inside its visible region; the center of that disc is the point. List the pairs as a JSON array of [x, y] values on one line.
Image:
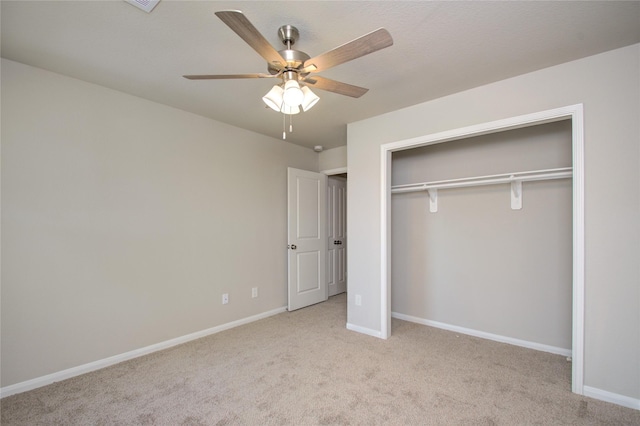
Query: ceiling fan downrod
[[294, 59]]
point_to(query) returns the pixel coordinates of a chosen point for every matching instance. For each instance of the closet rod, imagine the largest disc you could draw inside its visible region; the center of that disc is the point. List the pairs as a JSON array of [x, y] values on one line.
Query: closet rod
[[533, 175]]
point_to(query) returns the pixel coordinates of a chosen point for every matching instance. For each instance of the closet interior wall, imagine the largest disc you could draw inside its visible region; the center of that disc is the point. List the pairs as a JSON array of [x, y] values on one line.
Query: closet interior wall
[[476, 263]]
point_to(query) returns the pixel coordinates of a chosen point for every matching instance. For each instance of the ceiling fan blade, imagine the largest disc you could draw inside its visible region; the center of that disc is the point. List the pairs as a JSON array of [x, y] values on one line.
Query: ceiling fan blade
[[368, 43], [322, 83], [245, 29], [227, 76]]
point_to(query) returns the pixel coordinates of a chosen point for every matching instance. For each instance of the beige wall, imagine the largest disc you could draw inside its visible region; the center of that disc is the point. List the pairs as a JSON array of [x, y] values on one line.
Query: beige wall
[[331, 159], [609, 87], [123, 222], [442, 270]]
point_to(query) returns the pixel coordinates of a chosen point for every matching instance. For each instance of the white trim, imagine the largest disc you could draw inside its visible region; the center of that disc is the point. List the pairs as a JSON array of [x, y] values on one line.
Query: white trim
[[385, 245], [512, 123], [337, 171], [577, 136], [573, 112], [484, 335], [363, 330], [614, 398], [106, 362]]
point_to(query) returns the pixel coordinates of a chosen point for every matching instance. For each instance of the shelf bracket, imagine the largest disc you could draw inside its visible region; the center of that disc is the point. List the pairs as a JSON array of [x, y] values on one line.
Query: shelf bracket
[[433, 200], [516, 195]]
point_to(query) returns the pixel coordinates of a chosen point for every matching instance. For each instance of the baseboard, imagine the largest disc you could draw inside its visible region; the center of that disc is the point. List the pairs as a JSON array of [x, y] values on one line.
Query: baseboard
[[364, 330], [614, 398], [106, 362], [485, 335]]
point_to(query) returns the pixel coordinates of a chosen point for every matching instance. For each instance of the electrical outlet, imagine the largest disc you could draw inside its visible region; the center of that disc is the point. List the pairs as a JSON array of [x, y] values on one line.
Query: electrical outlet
[[358, 300], [254, 292], [225, 298]]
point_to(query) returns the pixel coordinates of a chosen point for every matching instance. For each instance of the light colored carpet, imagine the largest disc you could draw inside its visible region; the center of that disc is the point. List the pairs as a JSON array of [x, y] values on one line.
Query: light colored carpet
[[305, 368]]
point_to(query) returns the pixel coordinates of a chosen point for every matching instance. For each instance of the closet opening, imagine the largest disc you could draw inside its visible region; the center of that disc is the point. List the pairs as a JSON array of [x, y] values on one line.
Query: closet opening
[[479, 245]]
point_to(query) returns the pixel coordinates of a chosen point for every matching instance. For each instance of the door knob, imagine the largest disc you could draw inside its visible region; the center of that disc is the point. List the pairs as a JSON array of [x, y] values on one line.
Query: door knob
[[293, 247]]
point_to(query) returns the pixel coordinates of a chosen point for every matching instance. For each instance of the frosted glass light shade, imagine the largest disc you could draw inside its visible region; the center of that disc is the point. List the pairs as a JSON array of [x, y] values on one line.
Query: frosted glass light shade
[[290, 110], [273, 99], [309, 100], [293, 95]]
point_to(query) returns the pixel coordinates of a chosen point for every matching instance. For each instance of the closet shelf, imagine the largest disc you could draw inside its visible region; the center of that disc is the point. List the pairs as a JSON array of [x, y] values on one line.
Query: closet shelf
[[515, 179]]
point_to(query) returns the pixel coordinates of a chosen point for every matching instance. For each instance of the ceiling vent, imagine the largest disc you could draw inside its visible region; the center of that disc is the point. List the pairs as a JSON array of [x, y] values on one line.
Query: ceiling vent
[[146, 5]]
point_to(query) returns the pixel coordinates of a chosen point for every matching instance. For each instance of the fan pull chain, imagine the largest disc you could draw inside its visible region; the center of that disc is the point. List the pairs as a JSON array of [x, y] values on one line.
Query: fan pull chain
[[284, 132], [284, 123]]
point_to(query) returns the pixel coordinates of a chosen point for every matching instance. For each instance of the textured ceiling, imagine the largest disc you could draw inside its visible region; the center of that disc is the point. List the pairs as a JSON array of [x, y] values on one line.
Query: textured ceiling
[[439, 48]]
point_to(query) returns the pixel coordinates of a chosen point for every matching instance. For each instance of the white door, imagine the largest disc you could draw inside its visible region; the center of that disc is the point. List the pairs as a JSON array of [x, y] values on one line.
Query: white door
[[337, 231], [307, 238]]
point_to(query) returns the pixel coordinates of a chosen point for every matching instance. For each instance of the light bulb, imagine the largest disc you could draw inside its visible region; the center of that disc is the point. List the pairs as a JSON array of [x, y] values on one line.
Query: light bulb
[[293, 95]]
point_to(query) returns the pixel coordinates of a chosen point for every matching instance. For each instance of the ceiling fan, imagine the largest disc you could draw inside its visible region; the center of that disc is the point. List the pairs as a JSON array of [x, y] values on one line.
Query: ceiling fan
[[295, 68]]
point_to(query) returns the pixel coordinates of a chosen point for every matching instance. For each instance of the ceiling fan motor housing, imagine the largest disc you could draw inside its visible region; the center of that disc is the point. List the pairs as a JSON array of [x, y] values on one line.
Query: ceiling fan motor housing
[[295, 59], [289, 34]]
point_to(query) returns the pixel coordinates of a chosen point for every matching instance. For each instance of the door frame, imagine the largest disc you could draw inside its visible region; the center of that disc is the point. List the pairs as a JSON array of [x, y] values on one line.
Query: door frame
[[576, 115], [338, 171], [336, 256]]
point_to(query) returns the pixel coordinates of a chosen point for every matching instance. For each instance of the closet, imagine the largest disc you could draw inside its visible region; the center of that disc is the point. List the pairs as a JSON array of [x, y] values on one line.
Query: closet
[[481, 234]]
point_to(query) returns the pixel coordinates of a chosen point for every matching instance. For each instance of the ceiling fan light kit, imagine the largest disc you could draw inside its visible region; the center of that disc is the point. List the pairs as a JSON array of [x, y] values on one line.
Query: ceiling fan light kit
[[292, 95], [273, 99], [310, 99], [290, 110], [293, 67]]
